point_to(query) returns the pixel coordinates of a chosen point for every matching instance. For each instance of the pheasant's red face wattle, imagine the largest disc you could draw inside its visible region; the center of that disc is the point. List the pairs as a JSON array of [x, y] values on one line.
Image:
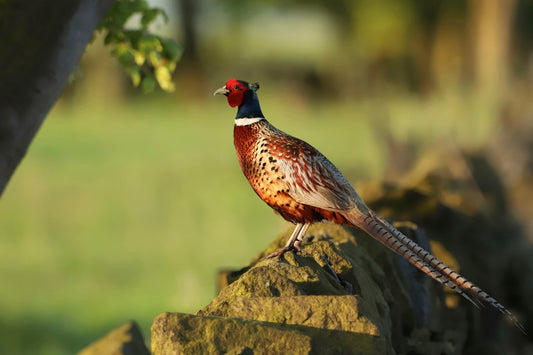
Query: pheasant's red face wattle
[[236, 92]]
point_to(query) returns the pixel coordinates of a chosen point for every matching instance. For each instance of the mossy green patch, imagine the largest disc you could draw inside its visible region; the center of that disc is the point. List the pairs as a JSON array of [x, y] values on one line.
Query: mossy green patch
[[325, 312], [176, 333], [126, 339], [318, 288]]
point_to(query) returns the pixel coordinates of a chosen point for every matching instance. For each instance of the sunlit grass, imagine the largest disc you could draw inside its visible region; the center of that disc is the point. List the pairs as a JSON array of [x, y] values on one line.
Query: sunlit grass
[[126, 211]]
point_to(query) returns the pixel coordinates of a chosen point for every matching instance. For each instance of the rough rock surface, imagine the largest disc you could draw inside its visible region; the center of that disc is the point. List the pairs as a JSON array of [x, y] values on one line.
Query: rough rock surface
[[347, 294], [124, 340], [332, 298]]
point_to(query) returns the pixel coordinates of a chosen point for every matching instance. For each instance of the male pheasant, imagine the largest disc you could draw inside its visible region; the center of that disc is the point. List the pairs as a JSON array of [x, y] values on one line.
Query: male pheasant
[[304, 187]]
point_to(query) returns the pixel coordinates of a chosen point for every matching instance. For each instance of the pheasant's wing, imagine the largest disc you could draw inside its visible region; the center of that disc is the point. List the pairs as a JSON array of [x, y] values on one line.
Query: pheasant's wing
[[313, 179]]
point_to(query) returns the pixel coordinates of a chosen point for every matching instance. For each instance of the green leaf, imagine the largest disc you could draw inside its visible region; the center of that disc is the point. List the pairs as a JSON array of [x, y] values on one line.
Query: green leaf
[[150, 15], [148, 84], [134, 36], [171, 49], [135, 75], [113, 37], [139, 57], [124, 54], [150, 43], [164, 78], [155, 58]]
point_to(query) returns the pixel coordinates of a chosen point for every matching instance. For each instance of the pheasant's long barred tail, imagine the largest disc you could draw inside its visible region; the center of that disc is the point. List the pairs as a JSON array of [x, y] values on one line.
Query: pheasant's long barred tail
[[430, 265]]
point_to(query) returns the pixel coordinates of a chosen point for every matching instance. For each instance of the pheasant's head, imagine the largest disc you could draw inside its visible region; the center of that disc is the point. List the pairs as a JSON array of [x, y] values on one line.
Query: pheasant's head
[[242, 94]]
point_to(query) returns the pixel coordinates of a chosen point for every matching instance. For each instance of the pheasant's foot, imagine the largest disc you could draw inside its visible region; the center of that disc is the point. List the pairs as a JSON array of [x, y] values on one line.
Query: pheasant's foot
[[298, 242], [279, 253]]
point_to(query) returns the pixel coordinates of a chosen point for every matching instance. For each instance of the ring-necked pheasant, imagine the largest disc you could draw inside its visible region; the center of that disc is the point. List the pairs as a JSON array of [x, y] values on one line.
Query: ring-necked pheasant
[[304, 187]]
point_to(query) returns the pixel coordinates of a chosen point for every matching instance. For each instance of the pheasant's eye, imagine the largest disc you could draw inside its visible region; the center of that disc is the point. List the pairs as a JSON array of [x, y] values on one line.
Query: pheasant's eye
[[237, 87]]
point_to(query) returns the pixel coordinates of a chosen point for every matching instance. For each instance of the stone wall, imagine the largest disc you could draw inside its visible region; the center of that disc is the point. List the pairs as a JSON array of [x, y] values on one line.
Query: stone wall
[[345, 293]]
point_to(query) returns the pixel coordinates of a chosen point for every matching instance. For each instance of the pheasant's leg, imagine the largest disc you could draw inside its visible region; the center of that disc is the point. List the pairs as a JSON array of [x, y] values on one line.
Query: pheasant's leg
[[294, 241], [300, 237]]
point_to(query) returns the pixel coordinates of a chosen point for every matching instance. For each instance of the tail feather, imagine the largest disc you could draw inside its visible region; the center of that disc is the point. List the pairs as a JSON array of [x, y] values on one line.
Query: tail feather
[[393, 239]]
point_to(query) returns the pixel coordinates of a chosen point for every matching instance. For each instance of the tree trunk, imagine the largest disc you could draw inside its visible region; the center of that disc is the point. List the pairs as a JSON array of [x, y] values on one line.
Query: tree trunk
[[190, 71], [42, 42], [188, 10]]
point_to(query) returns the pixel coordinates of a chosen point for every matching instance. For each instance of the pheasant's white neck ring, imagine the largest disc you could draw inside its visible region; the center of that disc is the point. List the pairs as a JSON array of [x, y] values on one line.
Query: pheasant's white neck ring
[[247, 121]]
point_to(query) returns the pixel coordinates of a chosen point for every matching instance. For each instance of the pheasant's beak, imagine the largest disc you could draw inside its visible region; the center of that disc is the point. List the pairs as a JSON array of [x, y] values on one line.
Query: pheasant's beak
[[223, 91]]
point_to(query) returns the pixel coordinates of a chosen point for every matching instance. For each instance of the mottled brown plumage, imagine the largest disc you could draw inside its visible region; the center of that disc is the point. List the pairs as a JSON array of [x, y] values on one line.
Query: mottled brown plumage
[[276, 166], [304, 187]]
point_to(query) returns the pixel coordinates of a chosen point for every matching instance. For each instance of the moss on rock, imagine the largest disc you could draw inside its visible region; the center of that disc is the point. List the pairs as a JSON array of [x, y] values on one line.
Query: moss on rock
[[343, 293], [177, 333], [327, 294], [124, 340]]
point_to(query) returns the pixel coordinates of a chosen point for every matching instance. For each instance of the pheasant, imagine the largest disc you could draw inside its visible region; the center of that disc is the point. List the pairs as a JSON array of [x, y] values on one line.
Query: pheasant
[[304, 187]]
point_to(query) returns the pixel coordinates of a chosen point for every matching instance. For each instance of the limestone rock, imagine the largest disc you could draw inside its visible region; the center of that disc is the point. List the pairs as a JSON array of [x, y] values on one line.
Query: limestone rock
[[124, 340]]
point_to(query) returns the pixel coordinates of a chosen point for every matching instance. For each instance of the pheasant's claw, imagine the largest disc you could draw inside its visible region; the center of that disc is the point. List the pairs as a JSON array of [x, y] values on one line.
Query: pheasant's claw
[[297, 244], [279, 253]]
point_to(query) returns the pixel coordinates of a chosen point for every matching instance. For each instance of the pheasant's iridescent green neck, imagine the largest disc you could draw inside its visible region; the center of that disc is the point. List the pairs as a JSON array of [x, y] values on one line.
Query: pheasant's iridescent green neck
[[250, 106]]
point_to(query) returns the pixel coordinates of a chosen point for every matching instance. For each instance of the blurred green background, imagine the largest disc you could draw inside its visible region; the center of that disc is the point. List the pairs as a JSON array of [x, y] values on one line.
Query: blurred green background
[[127, 204]]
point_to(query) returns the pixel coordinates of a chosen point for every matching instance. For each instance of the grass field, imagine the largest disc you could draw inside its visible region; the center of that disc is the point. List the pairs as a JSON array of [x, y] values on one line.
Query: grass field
[[122, 212]]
